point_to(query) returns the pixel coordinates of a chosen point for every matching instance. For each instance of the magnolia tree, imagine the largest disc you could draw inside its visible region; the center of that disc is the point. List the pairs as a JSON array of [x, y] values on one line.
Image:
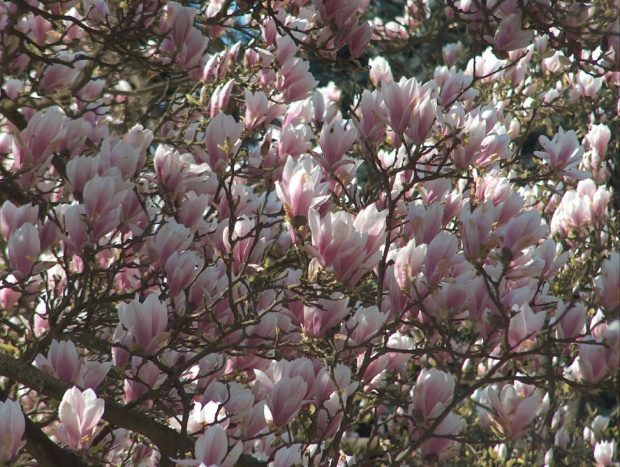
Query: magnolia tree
[[309, 232]]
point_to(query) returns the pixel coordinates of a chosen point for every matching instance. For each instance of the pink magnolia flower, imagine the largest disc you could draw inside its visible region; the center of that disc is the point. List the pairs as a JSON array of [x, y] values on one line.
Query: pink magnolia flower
[[222, 140], [431, 394], [591, 365], [147, 321], [221, 97], [286, 400], [12, 427], [570, 320], [358, 38], [524, 326], [58, 76], [510, 35], [295, 80], [287, 456], [365, 324], [399, 100], [604, 453], [476, 229], [211, 450], [515, 410], [522, 231], [408, 263], [294, 140], [248, 245], [144, 376], [587, 85], [23, 249], [181, 269], [103, 199], [372, 124], [598, 139], [440, 255], [300, 188], [327, 313], [607, 284], [562, 153], [40, 139], [170, 237], [258, 111], [437, 447], [335, 141], [62, 361], [80, 412], [380, 71], [13, 217]]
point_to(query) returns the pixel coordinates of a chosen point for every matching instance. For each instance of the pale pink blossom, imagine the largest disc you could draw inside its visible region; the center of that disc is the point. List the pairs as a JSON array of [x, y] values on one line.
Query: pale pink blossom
[[40, 139], [80, 412], [335, 140], [524, 326], [591, 365], [12, 427], [147, 321], [23, 248], [365, 324], [286, 400], [295, 80], [607, 284], [510, 35], [62, 361], [438, 447], [440, 255], [562, 153], [212, 449], [222, 140], [408, 263], [319, 319], [570, 320], [181, 269], [604, 453], [432, 393], [300, 188], [515, 411], [13, 217], [380, 71], [143, 376]]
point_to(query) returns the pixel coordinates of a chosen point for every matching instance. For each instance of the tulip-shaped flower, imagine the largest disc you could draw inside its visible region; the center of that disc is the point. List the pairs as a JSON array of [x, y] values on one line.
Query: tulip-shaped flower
[[286, 400], [524, 326], [319, 319], [295, 80], [335, 141], [604, 453], [211, 450], [431, 394], [23, 249], [300, 189], [181, 269], [510, 35], [222, 140], [562, 153], [79, 413], [62, 361], [12, 427], [13, 217], [40, 139], [439, 446], [515, 411], [147, 321], [607, 284], [364, 325]]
